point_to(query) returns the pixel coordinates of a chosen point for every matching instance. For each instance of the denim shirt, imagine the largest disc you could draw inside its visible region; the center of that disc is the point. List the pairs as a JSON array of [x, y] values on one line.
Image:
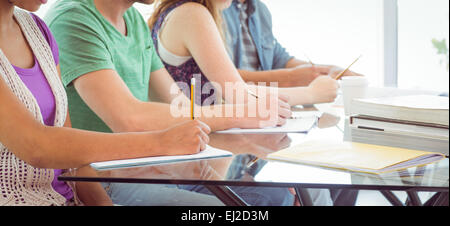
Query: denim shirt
[[271, 54]]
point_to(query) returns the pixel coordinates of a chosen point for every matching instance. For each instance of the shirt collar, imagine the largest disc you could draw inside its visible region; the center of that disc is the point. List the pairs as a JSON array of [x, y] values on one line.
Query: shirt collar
[[251, 5]]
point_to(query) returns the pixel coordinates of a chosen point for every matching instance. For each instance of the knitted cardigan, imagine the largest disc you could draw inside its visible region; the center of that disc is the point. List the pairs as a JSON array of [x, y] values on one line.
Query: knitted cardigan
[[21, 183]]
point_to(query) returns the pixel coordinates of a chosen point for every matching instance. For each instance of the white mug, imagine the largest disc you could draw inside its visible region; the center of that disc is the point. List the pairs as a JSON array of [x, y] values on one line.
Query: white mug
[[353, 87]]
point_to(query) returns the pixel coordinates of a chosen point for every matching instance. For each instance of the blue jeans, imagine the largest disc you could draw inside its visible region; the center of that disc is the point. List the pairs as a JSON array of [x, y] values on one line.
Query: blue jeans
[[156, 195], [197, 195], [269, 196], [254, 196]]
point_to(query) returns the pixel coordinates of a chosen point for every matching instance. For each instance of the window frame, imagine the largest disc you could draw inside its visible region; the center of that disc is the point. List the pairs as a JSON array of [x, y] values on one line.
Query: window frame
[[390, 43]]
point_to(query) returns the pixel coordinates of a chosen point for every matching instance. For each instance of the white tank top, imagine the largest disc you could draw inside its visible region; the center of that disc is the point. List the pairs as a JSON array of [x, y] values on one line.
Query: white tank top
[[167, 56]]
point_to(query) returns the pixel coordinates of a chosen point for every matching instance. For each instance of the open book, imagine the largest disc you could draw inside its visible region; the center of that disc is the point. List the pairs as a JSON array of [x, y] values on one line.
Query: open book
[[356, 157], [297, 125], [208, 153]]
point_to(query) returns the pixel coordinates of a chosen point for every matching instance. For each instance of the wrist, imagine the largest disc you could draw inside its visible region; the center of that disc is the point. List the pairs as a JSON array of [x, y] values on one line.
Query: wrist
[[235, 120], [310, 96], [152, 143], [218, 123], [294, 77]]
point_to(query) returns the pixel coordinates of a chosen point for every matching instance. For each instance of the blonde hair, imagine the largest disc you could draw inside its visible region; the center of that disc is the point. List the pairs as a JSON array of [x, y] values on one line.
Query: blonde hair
[[162, 5]]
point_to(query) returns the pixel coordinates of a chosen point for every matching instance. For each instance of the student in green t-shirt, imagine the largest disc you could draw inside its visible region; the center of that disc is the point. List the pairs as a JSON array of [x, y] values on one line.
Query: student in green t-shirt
[[109, 65]]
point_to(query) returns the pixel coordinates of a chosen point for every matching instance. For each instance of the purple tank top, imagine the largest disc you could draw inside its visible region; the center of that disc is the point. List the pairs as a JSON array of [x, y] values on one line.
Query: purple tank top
[[186, 71], [36, 82]]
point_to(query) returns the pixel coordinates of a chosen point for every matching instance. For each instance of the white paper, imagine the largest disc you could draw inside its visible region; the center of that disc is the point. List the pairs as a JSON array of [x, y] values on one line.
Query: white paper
[[208, 153], [300, 125], [415, 102], [306, 114]]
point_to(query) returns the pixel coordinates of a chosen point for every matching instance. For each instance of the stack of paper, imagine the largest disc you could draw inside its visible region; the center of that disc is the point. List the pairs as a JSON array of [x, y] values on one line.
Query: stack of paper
[[418, 122], [421, 108], [356, 157], [400, 127]]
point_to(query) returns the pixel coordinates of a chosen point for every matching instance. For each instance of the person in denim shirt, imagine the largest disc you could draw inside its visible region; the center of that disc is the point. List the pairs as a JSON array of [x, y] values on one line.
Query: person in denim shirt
[[251, 19], [261, 58]]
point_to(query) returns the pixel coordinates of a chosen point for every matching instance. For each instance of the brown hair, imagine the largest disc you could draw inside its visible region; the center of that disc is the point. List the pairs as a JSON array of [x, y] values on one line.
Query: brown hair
[[162, 5]]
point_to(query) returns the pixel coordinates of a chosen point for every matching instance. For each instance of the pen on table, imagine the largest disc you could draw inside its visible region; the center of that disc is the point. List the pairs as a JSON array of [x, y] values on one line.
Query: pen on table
[[252, 93], [192, 97], [343, 72]]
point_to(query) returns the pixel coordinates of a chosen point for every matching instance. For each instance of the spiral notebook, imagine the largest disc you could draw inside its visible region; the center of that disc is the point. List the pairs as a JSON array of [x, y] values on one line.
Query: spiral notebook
[[208, 153]]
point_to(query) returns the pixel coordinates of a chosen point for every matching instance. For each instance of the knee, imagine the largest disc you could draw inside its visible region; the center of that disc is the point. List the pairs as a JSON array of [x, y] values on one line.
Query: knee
[[257, 196]]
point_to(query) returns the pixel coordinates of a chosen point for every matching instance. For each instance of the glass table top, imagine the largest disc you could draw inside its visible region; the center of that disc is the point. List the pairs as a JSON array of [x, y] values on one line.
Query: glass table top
[[239, 170]]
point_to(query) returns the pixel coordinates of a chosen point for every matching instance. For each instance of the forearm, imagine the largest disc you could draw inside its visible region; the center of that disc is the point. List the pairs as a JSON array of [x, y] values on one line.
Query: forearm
[[297, 95], [282, 77], [264, 76], [292, 76], [90, 194], [151, 116], [221, 117], [63, 148], [295, 63]]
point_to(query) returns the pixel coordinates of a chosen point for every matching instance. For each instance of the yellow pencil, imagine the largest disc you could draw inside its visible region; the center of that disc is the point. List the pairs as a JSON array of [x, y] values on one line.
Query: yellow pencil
[[343, 72], [192, 98]]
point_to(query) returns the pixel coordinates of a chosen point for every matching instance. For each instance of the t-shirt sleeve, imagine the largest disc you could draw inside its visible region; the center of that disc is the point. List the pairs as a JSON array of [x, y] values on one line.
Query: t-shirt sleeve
[[48, 36], [82, 49], [281, 56]]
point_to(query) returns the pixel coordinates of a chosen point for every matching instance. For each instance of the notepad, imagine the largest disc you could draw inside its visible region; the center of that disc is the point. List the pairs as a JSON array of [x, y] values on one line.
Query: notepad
[[356, 157], [208, 153], [298, 125]]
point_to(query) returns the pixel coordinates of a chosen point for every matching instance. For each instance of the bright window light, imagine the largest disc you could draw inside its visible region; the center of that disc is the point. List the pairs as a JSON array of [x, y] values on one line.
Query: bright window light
[[423, 64], [332, 32]]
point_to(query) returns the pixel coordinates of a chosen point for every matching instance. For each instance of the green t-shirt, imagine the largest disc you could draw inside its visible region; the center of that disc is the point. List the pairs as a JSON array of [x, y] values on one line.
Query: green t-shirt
[[88, 43]]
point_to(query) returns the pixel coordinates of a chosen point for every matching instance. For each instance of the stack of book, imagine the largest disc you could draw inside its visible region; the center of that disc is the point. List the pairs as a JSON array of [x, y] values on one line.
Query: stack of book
[[414, 122]]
